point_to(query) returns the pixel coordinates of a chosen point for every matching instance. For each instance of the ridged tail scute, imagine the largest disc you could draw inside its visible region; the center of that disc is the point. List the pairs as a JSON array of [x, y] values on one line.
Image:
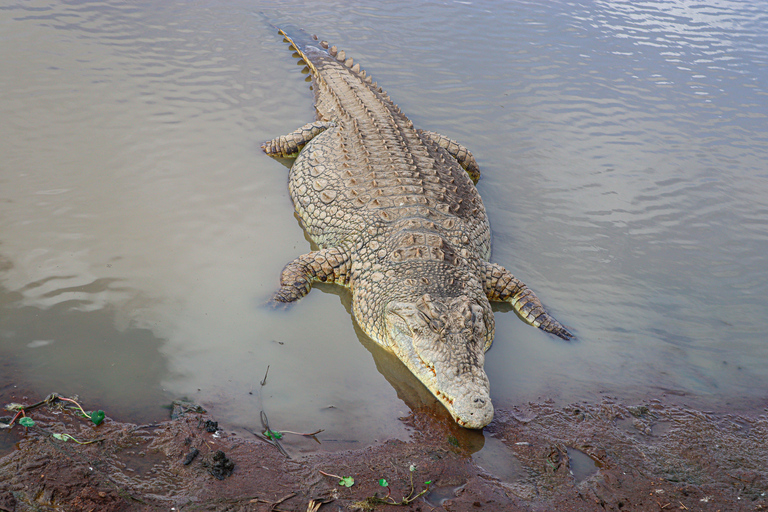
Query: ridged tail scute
[[300, 41], [299, 48]]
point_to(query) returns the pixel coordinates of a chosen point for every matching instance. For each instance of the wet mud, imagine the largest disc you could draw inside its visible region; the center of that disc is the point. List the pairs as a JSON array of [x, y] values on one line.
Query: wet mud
[[584, 457]]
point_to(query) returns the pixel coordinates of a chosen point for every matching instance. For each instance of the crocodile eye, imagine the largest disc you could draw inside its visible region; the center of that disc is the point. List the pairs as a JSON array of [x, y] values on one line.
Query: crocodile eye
[[436, 325]]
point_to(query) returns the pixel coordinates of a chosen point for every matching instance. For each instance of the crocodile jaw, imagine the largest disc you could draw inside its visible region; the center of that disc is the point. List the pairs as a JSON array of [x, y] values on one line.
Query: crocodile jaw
[[443, 346]]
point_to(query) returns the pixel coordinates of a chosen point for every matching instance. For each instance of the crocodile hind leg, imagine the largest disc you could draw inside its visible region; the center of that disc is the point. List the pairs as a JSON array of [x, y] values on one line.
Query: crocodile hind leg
[[500, 285], [287, 146], [457, 151], [330, 265]]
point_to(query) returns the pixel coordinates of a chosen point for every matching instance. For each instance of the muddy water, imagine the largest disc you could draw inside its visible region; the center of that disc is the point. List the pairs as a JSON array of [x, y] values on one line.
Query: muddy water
[[623, 151]]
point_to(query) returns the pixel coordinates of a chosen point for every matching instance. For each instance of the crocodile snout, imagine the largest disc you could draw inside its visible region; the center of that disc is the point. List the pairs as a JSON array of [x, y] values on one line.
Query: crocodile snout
[[474, 411]]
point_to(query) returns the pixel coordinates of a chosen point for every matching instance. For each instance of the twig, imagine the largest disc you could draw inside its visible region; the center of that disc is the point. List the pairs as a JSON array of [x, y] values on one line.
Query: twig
[[285, 498], [265, 424], [273, 504], [329, 474], [268, 441], [311, 434], [264, 380]]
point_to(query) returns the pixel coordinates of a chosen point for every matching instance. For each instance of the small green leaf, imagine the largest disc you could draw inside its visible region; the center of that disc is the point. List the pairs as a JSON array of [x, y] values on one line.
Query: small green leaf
[[272, 434], [61, 437], [428, 482], [383, 483], [347, 481], [27, 422], [97, 417]]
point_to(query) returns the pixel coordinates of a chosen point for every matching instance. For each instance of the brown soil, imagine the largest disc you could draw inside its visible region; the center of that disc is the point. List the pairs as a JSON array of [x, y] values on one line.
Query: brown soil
[[586, 457]]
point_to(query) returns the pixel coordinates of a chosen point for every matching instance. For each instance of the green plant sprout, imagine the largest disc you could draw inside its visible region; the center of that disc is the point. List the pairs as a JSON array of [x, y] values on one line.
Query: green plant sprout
[[67, 437], [346, 481], [407, 500], [273, 434], [276, 435], [97, 417]]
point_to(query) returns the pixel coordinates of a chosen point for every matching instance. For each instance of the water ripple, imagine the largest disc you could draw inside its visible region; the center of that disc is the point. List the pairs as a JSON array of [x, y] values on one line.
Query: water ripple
[[622, 146]]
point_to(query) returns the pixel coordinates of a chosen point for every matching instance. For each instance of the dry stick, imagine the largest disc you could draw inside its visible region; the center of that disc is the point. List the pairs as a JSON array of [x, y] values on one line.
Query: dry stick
[[270, 433], [264, 380], [310, 434], [283, 499], [265, 423], [268, 441], [329, 474], [273, 503]]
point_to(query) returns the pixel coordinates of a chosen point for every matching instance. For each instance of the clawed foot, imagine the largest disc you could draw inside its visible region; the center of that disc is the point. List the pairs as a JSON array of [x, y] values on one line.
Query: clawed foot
[[281, 300], [550, 325], [562, 332]]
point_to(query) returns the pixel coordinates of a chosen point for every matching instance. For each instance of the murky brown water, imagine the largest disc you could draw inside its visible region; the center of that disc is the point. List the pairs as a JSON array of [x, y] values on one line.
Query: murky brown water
[[623, 149]]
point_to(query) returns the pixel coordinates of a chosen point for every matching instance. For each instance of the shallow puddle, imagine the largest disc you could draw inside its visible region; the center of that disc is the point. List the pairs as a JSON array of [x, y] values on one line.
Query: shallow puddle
[[497, 459], [582, 465], [438, 496]]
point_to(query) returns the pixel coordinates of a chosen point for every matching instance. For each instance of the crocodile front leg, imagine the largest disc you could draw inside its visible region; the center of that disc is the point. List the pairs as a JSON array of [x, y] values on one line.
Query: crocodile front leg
[[500, 285], [457, 151], [287, 146], [330, 265]]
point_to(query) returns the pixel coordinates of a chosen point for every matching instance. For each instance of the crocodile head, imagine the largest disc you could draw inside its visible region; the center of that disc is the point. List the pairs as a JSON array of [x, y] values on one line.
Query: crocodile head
[[443, 341]]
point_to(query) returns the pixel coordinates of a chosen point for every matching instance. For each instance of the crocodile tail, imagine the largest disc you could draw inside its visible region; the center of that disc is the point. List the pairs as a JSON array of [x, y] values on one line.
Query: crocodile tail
[[301, 42], [298, 42]]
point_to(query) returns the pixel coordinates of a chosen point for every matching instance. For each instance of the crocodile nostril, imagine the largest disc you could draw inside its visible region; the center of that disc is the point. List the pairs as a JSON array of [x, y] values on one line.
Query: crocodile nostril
[[479, 401]]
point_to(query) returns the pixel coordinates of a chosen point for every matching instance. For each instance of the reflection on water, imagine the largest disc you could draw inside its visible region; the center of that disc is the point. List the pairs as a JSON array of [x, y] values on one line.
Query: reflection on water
[[63, 350], [622, 145]]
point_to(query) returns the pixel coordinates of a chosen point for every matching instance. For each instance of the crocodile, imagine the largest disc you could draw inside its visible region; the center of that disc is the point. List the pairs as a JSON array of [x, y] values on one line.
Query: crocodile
[[397, 219]]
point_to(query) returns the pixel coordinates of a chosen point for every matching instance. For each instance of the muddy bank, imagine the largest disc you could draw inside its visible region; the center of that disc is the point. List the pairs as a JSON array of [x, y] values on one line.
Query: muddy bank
[[585, 457]]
